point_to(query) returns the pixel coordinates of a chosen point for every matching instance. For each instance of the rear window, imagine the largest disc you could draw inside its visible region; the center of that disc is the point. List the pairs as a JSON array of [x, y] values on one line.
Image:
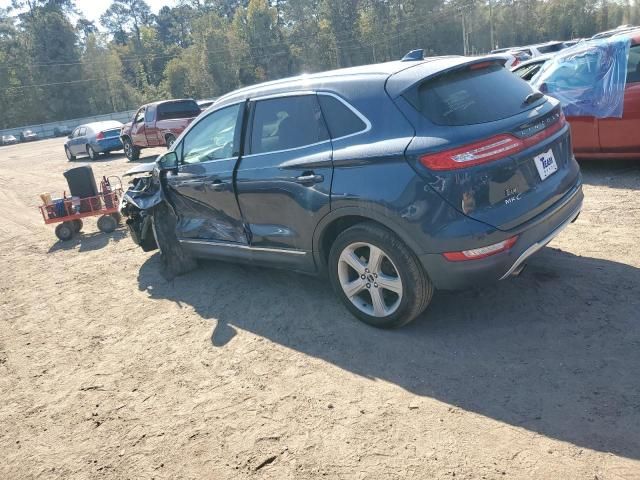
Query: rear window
[[468, 97], [341, 120], [527, 72], [551, 48], [185, 109]]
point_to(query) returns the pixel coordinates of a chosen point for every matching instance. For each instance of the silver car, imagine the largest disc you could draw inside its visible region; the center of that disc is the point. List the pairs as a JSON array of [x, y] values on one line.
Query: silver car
[[8, 140], [93, 139]]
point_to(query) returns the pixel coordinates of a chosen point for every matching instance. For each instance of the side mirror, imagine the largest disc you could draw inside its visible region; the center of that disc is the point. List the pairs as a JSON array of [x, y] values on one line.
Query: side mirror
[[70, 135], [168, 161]]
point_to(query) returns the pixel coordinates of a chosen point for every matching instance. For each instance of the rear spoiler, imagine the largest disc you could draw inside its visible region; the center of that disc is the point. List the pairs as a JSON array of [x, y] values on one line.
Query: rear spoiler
[[406, 79]]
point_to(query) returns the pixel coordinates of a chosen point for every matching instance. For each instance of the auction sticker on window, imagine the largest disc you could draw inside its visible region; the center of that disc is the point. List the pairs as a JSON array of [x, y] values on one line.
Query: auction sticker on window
[[546, 164]]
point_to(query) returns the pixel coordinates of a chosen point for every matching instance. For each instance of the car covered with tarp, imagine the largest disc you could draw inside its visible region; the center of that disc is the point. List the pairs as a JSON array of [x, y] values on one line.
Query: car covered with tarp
[[598, 85]]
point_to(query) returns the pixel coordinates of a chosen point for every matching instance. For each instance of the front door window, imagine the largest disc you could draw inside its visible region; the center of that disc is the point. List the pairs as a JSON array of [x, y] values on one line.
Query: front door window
[[213, 138]]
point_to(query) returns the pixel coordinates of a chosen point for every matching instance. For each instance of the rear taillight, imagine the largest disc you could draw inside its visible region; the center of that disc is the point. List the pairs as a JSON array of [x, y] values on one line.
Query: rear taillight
[[482, 252], [484, 151], [100, 136], [493, 148]]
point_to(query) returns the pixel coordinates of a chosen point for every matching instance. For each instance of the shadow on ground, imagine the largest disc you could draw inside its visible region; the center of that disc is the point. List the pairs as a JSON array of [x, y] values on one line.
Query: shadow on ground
[[89, 241], [611, 173], [555, 351]]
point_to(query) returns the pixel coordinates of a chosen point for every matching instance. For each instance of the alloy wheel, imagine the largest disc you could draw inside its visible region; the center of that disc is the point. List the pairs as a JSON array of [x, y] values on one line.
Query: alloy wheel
[[369, 279]]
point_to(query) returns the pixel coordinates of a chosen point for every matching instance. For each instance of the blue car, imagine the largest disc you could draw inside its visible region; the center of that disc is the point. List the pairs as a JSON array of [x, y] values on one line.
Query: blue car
[[93, 139], [393, 180]]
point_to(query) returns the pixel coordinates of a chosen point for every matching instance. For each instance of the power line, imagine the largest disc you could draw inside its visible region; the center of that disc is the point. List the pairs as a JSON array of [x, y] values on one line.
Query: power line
[[355, 46], [417, 20]]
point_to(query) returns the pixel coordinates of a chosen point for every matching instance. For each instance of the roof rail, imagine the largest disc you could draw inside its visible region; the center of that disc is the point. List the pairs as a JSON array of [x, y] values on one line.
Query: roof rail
[[414, 55]]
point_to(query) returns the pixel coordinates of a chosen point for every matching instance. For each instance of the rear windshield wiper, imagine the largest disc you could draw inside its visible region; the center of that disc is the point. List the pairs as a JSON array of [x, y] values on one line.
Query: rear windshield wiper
[[532, 97]]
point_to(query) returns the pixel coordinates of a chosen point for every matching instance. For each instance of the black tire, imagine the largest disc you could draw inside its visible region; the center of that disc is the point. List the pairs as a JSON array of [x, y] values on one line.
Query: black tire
[[170, 140], [417, 289], [130, 150], [93, 155], [117, 217], [175, 260], [70, 157], [65, 231], [77, 225], [107, 224]]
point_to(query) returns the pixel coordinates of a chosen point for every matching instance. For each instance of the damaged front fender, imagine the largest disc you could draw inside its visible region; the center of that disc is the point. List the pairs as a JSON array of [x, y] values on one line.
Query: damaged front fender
[[138, 202]]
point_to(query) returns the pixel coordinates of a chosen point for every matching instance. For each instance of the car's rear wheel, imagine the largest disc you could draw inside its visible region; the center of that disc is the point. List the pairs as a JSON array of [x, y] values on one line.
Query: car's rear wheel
[[377, 277], [170, 140], [130, 150], [93, 155], [70, 157]]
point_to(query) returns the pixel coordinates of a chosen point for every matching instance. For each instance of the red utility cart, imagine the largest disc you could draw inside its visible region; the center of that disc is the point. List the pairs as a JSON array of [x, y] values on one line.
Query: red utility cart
[[68, 212]]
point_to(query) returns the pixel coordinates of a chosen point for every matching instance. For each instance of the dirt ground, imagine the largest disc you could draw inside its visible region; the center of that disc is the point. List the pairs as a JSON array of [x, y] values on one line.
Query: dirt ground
[[109, 371]]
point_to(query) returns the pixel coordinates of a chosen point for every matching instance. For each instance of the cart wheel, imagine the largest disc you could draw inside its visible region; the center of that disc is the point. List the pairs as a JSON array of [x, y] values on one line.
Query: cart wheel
[[107, 224], [118, 217], [65, 231], [77, 225]]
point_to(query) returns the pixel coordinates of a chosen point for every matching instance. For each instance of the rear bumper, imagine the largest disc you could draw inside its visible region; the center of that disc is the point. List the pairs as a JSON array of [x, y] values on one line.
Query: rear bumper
[[532, 237]]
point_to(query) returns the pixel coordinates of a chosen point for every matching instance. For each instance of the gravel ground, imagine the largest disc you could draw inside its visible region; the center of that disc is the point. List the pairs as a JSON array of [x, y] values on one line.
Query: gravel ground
[[109, 371]]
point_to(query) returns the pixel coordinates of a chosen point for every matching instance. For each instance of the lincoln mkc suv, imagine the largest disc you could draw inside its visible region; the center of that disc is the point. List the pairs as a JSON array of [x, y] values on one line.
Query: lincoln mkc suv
[[393, 180]]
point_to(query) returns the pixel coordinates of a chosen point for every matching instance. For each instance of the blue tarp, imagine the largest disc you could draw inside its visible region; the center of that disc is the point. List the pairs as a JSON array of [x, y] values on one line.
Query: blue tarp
[[589, 78]]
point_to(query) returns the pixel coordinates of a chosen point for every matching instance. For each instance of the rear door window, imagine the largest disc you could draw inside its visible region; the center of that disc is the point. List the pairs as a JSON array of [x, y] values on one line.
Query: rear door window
[[468, 97], [285, 123], [182, 109], [341, 120]]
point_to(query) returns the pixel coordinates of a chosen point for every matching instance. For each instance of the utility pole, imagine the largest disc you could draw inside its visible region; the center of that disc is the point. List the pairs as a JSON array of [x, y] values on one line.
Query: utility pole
[[464, 35], [493, 44]]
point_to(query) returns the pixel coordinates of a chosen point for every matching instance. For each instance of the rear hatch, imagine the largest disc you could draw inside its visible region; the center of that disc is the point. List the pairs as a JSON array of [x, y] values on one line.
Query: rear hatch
[[490, 145]]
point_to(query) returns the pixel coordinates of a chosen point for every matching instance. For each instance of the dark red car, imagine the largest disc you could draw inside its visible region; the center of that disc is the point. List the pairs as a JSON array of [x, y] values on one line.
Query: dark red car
[[613, 137], [606, 137], [157, 125]]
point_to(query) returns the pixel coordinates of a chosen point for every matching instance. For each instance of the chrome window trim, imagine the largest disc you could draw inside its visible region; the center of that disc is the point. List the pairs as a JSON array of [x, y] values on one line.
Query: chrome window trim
[[302, 93], [242, 247], [354, 110]]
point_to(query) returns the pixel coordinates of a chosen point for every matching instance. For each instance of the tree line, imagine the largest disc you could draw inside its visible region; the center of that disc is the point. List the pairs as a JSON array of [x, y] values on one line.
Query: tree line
[[56, 65]]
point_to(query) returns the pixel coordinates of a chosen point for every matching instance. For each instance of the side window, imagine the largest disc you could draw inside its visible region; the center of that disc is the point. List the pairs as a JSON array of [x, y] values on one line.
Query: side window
[[148, 116], [212, 138], [285, 123], [341, 120], [139, 116], [83, 132], [76, 133], [633, 65]]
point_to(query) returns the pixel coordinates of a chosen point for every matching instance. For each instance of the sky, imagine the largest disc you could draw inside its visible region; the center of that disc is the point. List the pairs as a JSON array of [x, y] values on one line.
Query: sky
[[92, 9]]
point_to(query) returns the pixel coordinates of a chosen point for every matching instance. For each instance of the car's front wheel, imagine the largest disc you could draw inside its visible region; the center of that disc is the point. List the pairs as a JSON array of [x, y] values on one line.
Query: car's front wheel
[[70, 157], [130, 150], [377, 277]]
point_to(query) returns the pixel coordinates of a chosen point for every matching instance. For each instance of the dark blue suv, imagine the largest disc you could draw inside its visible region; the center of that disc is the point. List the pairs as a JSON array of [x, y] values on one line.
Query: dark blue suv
[[394, 179]]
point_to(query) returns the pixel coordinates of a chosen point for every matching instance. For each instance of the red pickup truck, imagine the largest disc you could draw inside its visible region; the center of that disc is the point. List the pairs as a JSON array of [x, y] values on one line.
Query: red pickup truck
[[156, 125]]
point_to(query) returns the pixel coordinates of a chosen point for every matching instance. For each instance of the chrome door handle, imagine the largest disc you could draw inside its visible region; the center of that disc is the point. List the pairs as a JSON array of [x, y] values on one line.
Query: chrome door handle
[[217, 185], [309, 178]]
